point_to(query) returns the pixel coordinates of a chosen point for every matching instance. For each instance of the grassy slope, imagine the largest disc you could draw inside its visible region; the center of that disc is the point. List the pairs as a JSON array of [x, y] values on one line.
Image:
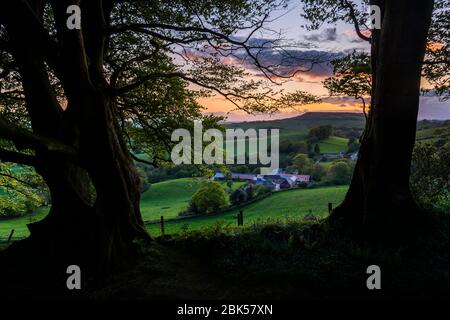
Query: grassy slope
[[333, 144], [166, 199], [432, 134], [288, 204], [296, 128], [20, 224]]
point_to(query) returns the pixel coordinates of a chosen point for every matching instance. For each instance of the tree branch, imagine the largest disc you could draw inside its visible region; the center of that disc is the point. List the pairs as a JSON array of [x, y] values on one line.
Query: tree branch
[[352, 14], [141, 160], [17, 157], [24, 139], [17, 179]]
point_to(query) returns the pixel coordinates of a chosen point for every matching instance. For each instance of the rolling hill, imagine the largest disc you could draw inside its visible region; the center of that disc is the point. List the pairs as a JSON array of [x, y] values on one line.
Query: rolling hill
[[291, 204], [296, 128], [166, 199]]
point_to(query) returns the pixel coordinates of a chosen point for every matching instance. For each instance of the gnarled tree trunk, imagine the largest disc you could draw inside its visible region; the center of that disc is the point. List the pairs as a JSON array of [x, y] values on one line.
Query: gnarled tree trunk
[[379, 201], [96, 233]]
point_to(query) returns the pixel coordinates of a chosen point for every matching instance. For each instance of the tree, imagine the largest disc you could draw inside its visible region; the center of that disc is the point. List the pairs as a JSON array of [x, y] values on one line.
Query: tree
[[379, 197], [317, 149], [351, 77], [21, 190], [302, 163], [210, 197], [320, 133], [437, 62], [430, 175], [340, 172], [238, 196], [352, 145], [75, 100], [318, 172]]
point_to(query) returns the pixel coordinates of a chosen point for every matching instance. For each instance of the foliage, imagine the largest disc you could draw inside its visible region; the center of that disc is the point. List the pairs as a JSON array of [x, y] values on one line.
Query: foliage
[[353, 145], [316, 149], [340, 172], [318, 172], [209, 197], [21, 190], [320, 133], [260, 190], [302, 163], [437, 61], [238, 196], [430, 175], [352, 77]]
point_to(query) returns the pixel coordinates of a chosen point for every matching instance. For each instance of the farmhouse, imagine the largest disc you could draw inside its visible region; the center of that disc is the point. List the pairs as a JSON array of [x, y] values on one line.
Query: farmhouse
[[235, 176], [243, 176], [354, 156], [218, 176], [275, 181], [332, 156]]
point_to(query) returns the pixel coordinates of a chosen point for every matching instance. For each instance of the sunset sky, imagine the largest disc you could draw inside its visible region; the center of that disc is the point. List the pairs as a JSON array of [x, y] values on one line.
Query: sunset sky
[[335, 40]]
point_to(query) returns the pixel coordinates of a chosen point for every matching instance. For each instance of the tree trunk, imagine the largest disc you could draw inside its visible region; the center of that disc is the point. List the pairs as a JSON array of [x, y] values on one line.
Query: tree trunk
[[379, 201], [96, 233], [92, 229]]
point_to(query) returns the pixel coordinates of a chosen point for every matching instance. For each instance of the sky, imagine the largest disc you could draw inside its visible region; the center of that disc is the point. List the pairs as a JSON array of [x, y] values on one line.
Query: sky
[[334, 40]]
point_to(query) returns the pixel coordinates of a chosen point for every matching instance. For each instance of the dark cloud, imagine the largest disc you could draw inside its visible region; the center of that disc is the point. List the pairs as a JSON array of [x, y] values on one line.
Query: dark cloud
[[329, 34], [313, 63], [432, 109]]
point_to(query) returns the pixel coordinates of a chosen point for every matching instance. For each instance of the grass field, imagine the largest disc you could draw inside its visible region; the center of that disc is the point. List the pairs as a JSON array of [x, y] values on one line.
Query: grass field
[[333, 144], [287, 204], [431, 135], [20, 224], [166, 199]]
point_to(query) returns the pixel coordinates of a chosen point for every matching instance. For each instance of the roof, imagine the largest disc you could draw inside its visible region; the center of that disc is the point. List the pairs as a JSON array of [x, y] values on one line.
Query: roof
[[243, 176], [219, 175]]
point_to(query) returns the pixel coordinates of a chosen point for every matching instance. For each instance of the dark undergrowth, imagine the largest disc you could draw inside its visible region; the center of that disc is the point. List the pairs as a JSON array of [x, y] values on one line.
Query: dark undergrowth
[[278, 261], [285, 261]]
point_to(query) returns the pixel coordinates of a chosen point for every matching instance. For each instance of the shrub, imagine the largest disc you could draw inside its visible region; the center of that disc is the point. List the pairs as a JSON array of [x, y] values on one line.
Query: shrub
[[340, 172], [238, 196], [209, 197], [260, 190], [430, 175], [302, 163]]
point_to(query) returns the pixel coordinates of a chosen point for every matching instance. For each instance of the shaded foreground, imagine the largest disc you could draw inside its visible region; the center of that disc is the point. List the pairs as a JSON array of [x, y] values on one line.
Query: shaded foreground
[[271, 261]]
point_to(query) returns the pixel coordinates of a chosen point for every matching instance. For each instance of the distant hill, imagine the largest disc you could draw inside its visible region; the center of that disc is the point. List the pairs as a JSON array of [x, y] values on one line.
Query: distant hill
[[307, 120], [346, 124]]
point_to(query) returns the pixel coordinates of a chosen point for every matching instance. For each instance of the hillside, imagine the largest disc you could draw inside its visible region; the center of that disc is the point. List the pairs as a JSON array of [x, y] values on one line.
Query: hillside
[[307, 121], [291, 204], [296, 128], [166, 199]]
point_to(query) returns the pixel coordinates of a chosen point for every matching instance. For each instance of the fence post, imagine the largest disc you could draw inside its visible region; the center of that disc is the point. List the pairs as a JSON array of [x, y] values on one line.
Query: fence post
[[10, 235], [330, 207], [240, 218], [162, 225]]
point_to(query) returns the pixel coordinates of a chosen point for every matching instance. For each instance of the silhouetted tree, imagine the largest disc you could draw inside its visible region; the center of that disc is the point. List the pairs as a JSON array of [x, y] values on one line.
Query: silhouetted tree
[[71, 98], [379, 202]]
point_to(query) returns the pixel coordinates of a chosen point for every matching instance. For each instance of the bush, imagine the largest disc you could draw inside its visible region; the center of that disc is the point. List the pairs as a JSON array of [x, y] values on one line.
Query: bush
[[260, 190], [320, 133], [302, 163], [209, 197], [340, 172], [430, 175], [238, 196]]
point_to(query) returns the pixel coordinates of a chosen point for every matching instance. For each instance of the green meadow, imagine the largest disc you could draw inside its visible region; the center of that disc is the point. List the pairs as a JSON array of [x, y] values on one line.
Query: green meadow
[[285, 205], [166, 199]]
